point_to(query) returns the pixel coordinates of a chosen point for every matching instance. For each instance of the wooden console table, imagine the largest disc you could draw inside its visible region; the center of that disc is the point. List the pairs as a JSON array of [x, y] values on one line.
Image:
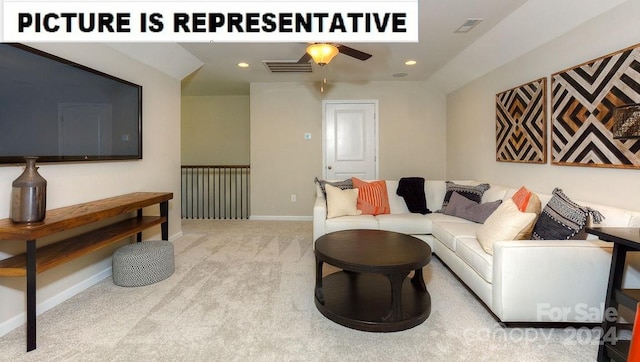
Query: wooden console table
[[37, 260], [624, 240]]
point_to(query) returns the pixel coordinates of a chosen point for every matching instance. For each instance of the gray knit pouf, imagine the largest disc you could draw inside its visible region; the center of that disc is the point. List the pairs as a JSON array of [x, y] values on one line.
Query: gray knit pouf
[[143, 263]]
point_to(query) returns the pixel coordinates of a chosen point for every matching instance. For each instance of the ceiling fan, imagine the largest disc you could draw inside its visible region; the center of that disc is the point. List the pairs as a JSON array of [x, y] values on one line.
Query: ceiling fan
[[322, 53]]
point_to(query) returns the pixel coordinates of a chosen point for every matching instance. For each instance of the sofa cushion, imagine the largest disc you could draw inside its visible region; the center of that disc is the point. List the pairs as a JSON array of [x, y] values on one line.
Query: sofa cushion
[[495, 192], [372, 196], [449, 232], [396, 203], [440, 217], [470, 251], [434, 191], [506, 223], [409, 223], [613, 216], [563, 219], [351, 222], [471, 192], [462, 207], [341, 202]]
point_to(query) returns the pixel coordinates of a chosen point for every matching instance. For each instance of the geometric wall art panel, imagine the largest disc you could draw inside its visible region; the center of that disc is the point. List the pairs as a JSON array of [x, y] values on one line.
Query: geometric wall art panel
[[521, 126], [583, 99]]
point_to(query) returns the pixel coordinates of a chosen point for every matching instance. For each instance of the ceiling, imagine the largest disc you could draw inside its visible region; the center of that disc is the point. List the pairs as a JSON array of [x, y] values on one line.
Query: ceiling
[[439, 43]]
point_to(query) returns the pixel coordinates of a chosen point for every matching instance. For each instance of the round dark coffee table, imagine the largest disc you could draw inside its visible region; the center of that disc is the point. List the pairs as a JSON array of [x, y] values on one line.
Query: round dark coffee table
[[370, 293]]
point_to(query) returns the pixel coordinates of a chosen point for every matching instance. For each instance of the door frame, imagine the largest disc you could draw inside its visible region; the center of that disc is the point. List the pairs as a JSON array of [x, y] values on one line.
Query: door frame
[[375, 136]]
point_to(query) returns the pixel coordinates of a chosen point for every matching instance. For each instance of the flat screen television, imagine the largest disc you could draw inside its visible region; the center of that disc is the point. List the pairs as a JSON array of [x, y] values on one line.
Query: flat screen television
[[61, 111]]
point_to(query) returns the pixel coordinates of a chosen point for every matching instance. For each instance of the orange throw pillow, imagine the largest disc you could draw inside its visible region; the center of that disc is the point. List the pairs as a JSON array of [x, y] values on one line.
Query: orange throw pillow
[[372, 196], [521, 198], [527, 201]]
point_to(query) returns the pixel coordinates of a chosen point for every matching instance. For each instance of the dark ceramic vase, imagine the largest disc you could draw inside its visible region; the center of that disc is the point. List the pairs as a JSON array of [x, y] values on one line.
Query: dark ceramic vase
[[29, 195]]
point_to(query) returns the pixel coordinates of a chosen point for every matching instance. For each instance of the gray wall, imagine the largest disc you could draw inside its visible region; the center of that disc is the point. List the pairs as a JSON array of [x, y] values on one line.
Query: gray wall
[[471, 116], [412, 137], [215, 130]]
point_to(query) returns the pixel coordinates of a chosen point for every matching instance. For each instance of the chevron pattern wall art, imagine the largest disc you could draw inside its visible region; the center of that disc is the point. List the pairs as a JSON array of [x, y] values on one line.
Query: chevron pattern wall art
[[521, 124], [583, 98]]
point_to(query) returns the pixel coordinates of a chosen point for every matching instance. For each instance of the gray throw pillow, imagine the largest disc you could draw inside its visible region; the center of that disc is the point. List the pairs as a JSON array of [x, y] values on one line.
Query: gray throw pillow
[[473, 193], [462, 207]]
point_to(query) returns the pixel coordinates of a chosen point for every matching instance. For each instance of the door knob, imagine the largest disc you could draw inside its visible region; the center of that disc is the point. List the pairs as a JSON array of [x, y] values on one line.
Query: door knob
[[329, 167]]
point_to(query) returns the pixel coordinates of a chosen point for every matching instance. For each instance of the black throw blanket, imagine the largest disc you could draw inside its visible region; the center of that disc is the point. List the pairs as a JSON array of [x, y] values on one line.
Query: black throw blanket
[[411, 189]]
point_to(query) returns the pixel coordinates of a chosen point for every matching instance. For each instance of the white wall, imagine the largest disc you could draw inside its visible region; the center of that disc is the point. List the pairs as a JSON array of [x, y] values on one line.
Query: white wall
[[73, 183], [215, 130], [471, 116], [411, 127]]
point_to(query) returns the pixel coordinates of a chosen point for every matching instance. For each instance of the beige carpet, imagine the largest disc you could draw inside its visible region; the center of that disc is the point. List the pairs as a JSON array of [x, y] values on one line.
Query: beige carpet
[[243, 291]]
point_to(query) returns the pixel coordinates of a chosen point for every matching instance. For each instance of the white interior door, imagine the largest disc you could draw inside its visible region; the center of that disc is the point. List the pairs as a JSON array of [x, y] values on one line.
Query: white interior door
[[350, 139]]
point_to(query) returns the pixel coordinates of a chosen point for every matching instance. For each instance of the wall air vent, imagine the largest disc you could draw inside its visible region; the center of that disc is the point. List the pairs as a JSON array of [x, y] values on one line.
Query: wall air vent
[[287, 66], [468, 25]]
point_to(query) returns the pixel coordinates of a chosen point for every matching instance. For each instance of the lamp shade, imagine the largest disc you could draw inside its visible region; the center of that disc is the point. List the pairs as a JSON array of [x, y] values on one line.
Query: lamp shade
[[626, 122], [322, 53]]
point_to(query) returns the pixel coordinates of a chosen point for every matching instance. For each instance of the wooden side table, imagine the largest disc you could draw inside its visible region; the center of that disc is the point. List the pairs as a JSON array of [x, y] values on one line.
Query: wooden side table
[[624, 240], [38, 260]]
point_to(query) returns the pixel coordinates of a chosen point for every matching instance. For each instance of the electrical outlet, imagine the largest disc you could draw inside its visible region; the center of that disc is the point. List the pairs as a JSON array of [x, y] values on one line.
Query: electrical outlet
[[293, 198]]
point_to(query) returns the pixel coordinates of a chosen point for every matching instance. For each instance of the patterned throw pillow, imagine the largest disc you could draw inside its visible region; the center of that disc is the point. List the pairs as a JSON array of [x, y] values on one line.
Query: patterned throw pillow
[[372, 196], [346, 184], [473, 193], [563, 219]]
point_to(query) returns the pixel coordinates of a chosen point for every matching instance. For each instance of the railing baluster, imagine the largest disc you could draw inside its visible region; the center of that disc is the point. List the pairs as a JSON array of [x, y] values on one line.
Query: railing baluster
[[192, 193], [215, 192], [206, 197]]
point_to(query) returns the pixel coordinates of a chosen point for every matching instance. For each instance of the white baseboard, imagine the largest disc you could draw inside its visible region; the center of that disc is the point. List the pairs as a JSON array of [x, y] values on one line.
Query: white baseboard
[[21, 319], [45, 305], [176, 236], [280, 218]]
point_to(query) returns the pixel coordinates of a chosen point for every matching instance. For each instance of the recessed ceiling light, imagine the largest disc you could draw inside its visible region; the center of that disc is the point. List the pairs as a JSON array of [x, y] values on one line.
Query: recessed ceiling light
[[243, 65], [410, 62], [399, 75]]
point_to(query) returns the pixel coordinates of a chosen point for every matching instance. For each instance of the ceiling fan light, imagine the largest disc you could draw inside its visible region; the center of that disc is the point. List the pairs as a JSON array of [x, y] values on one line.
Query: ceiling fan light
[[322, 53]]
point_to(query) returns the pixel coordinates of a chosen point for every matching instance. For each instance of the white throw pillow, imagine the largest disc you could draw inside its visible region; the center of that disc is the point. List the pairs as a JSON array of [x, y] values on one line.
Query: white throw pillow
[[341, 202], [506, 223]]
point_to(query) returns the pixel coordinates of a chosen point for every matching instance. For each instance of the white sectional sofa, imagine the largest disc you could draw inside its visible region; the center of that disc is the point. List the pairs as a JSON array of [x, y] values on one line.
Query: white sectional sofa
[[524, 281]]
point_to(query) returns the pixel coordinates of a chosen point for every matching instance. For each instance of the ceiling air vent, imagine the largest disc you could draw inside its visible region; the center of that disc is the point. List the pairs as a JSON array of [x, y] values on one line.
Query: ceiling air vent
[[468, 25], [287, 66]]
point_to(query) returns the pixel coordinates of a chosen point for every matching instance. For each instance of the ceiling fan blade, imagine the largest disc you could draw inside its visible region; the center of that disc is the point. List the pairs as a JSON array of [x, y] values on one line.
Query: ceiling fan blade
[[304, 59], [353, 52]]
